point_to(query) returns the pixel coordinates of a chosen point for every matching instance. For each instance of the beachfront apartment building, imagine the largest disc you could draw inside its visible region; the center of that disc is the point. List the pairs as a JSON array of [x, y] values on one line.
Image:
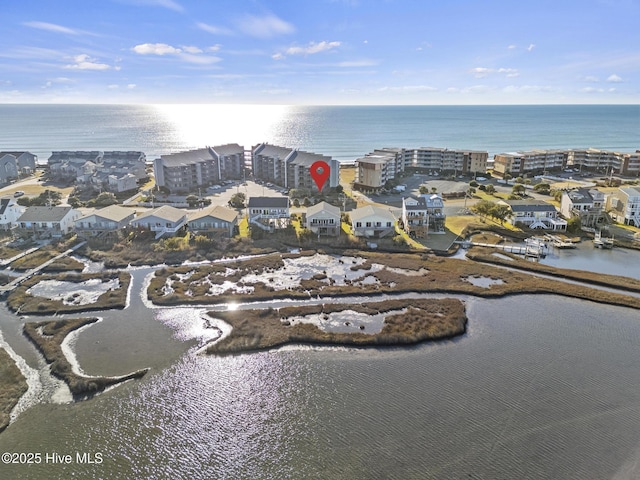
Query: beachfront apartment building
[[46, 222], [624, 206], [534, 214], [323, 219], [604, 161], [184, 172], [104, 221], [423, 214], [447, 160], [529, 162], [375, 169], [291, 168], [213, 221]]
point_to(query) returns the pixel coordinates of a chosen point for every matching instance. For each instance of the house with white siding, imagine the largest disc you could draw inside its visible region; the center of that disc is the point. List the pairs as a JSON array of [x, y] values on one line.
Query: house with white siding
[[323, 219], [269, 213], [104, 221], [44, 222], [10, 211], [534, 214], [213, 221], [165, 220], [372, 222]]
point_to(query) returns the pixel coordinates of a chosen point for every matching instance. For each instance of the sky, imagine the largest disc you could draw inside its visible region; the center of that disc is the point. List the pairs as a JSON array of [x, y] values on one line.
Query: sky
[[320, 52]]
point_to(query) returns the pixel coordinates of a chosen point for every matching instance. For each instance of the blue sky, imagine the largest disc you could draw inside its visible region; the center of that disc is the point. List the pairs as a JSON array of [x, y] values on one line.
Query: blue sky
[[320, 51]]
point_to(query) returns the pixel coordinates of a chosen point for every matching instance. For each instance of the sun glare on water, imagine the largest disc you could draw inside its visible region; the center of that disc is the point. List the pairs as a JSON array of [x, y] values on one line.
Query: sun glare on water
[[197, 126]]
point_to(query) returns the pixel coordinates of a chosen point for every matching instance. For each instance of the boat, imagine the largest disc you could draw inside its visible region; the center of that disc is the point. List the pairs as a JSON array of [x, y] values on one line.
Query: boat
[[602, 242]]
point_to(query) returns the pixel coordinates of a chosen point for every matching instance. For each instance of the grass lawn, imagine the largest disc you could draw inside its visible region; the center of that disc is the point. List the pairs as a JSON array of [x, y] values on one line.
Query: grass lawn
[[457, 224], [347, 175], [243, 228]]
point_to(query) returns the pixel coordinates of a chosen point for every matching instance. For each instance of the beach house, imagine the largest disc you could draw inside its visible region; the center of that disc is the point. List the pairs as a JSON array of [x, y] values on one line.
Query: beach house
[[104, 221], [213, 221], [423, 214], [269, 213], [534, 214], [165, 220], [46, 222], [323, 219], [10, 211], [588, 204], [372, 222], [624, 206]]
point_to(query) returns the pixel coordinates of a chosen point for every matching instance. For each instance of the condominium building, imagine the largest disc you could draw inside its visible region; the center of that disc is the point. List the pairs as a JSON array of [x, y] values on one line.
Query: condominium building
[[534, 161], [444, 159], [376, 168], [291, 168], [186, 171]]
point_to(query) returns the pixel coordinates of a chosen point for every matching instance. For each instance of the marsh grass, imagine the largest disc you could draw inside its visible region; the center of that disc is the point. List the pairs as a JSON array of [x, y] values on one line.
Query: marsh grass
[[12, 386], [268, 328], [21, 301], [48, 337]]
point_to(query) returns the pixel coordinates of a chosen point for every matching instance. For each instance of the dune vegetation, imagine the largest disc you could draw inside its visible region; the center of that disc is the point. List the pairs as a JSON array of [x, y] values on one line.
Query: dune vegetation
[[432, 319]]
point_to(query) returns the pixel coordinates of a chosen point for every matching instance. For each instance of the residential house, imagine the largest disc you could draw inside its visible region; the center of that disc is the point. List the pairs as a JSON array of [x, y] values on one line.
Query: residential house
[[323, 219], [291, 168], [104, 221], [213, 221], [10, 211], [624, 206], [269, 213], [123, 183], [588, 204], [8, 168], [372, 222], [534, 214], [42, 222], [165, 220], [186, 171], [25, 161], [423, 214]]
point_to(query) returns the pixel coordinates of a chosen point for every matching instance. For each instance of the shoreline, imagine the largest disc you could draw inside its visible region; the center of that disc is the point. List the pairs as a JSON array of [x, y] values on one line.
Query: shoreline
[[13, 385]]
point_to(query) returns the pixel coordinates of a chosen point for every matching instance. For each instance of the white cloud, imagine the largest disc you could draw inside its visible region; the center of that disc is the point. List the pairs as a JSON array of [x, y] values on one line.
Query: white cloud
[[531, 47], [213, 48], [591, 78], [264, 27], [215, 30], [481, 72], [156, 49], [312, 48], [85, 62], [189, 54], [512, 47], [131, 86], [614, 78], [593, 90], [113, 86], [409, 89], [52, 27]]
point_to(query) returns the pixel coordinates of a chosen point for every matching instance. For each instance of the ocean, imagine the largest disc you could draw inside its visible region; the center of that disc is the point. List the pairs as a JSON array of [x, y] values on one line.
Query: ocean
[[342, 132]]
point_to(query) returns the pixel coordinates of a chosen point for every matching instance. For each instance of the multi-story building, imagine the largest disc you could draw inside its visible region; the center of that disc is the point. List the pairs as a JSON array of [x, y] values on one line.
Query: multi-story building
[[586, 204], [446, 160], [372, 222], [269, 213], [423, 214], [375, 169], [10, 211], [624, 206], [532, 162], [186, 171], [534, 214], [291, 168], [323, 219]]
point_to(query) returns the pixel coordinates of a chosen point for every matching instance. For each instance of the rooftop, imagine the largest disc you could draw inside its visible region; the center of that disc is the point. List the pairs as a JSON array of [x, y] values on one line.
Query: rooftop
[[215, 211], [44, 214], [268, 202]]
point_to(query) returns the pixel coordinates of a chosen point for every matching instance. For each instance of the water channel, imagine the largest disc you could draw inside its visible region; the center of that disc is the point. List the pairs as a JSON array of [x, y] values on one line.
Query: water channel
[[540, 387]]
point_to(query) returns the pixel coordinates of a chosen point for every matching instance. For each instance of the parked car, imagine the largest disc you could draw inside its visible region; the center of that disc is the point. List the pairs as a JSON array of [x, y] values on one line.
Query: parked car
[[18, 193]]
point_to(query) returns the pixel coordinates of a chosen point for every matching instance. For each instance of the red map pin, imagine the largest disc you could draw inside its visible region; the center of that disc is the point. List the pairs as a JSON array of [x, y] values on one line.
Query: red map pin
[[320, 171]]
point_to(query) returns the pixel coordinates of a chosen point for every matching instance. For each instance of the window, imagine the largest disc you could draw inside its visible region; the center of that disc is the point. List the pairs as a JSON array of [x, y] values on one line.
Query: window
[[358, 224]]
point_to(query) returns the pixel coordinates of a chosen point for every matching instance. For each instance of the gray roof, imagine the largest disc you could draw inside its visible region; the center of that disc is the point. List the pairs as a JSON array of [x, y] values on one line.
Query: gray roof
[[185, 158], [166, 212], [331, 209], [4, 203], [44, 214], [530, 206], [369, 210], [229, 149], [114, 213], [580, 195], [217, 211], [268, 150], [268, 202]]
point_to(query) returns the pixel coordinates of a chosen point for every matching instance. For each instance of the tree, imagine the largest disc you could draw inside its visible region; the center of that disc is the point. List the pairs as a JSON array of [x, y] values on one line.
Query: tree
[[237, 200], [434, 189], [105, 199], [296, 202], [423, 190], [518, 189], [507, 176], [483, 208], [473, 184], [490, 189], [192, 200], [500, 212], [306, 202], [519, 180], [574, 225], [543, 188], [339, 189]]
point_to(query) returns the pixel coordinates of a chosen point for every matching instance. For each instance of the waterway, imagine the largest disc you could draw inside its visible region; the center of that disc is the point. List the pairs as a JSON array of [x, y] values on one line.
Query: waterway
[[540, 387]]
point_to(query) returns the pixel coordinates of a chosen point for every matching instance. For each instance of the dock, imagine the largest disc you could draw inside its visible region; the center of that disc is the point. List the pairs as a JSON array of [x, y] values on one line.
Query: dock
[[531, 249], [559, 242]]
